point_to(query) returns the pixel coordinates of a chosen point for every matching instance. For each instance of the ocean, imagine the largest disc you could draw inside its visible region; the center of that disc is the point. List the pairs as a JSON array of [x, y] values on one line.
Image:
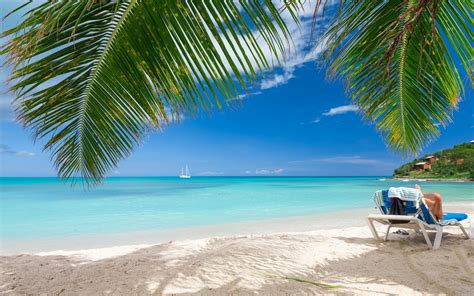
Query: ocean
[[47, 208]]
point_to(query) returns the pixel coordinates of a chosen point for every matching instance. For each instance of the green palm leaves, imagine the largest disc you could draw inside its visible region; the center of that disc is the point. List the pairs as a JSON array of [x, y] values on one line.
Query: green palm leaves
[[395, 57], [93, 76]]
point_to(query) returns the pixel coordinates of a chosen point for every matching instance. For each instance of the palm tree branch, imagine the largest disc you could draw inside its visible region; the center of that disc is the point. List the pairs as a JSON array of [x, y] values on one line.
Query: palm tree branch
[[92, 77], [397, 65], [116, 23]]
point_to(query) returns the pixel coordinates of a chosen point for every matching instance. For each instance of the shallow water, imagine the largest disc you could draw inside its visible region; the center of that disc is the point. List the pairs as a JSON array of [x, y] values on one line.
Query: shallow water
[[41, 208]]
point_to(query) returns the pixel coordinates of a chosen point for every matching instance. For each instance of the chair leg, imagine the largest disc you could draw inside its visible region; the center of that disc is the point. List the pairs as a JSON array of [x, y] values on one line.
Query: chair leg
[[425, 234], [466, 235], [386, 233], [370, 222], [438, 237]]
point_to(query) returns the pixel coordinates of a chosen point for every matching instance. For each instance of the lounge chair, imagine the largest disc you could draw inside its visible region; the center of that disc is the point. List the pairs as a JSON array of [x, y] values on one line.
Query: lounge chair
[[418, 217]]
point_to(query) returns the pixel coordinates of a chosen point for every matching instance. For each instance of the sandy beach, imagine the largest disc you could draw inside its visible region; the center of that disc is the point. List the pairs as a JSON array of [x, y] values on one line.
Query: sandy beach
[[341, 260]]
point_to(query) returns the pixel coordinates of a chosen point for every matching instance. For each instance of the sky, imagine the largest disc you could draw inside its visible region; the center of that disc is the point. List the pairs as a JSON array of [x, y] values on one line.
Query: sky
[[292, 122]]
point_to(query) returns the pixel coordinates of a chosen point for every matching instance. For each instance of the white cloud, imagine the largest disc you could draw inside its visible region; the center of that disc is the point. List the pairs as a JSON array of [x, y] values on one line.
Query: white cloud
[[247, 172], [24, 153], [300, 51], [299, 55], [351, 159], [355, 159], [336, 111], [5, 149], [341, 110], [268, 172], [277, 80], [211, 173], [297, 52], [248, 95]]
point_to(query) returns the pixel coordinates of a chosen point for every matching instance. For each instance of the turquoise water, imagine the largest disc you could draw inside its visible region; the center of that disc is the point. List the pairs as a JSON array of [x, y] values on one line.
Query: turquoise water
[[33, 208]]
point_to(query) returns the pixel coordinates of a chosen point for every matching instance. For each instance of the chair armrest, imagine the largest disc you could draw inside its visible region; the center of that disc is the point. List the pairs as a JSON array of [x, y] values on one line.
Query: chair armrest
[[392, 217]]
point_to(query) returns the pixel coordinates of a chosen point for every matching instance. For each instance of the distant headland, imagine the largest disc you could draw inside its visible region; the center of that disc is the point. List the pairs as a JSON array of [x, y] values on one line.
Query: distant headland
[[453, 164]]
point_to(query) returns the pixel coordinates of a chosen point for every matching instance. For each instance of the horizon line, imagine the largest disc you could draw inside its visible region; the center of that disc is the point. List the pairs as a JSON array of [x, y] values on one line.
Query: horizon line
[[215, 176]]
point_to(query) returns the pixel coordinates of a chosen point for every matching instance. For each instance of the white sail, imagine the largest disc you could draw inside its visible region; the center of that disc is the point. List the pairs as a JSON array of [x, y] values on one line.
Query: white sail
[[185, 175]]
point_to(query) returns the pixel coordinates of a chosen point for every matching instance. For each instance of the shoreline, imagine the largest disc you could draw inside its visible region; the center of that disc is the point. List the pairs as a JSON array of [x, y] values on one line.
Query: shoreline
[[344, 259], [130, 240], [332, 220], [431, 180]]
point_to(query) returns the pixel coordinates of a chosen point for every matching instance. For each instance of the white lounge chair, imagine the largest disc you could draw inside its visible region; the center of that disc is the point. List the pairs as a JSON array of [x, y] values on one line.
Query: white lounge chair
[[418, 218]]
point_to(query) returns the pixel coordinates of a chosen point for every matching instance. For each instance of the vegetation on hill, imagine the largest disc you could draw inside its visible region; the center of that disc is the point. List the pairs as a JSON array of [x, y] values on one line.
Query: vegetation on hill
[[453, 163]]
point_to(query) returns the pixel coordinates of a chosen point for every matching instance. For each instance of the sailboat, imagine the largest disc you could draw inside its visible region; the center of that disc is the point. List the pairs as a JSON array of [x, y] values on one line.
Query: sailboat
[[185, 174]]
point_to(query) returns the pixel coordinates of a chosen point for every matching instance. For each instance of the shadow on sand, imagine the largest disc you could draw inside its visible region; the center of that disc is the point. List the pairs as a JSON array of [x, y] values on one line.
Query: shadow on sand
[[399, 266]]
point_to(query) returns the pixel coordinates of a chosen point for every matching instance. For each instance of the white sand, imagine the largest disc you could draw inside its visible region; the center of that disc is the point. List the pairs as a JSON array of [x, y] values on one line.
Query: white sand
[[265, 264]]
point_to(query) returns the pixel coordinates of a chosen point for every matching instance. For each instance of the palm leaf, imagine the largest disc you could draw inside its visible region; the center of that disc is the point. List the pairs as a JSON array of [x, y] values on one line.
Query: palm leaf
[[396, 59], [93, 76]]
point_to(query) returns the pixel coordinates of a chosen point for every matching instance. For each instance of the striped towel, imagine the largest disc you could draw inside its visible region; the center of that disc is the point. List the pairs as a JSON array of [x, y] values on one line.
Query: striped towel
[[383, 203], [405, 193], [379, 202]]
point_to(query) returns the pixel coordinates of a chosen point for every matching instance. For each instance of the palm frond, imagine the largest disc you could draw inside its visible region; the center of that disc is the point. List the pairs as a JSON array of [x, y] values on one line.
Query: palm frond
[[395, 58], [93, 76]]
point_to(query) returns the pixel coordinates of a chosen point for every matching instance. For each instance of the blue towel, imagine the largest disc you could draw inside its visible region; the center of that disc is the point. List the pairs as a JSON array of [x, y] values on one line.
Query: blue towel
[[426, 215], [455, 216], [386, 201], [448, 218]]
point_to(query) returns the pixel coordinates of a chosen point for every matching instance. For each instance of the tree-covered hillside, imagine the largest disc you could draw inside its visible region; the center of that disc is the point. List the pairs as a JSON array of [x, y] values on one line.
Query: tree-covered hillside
[[453, 163]]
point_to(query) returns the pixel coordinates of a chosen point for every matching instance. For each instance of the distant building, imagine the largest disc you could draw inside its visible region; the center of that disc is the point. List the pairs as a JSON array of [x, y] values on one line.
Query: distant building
[[431, 159], [422, 166]]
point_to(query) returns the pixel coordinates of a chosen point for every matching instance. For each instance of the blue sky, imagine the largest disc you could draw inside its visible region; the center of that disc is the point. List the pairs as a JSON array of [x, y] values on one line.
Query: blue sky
[[292, 122]]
